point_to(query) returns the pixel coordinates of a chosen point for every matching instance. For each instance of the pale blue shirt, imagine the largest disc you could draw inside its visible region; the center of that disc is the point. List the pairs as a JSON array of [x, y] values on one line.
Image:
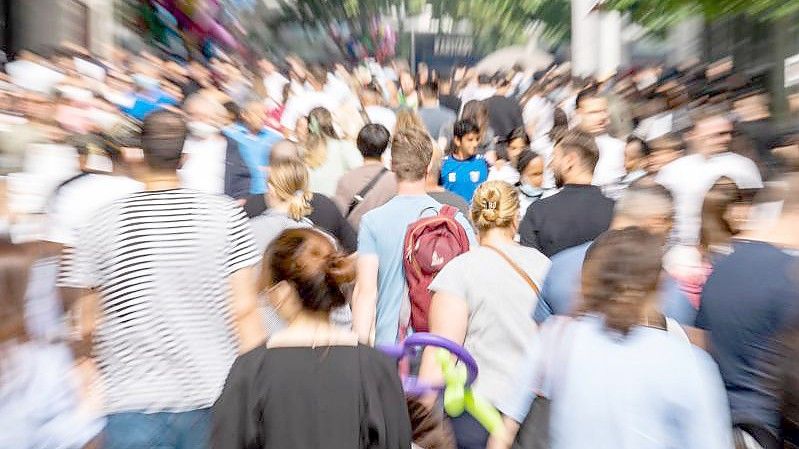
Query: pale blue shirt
[[650, 390], [382, 233], [254, 150], [561, 289], [39, 400]]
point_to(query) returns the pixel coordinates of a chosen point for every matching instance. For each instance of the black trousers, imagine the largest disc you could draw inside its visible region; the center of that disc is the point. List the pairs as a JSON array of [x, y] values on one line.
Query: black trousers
[[469, 433]]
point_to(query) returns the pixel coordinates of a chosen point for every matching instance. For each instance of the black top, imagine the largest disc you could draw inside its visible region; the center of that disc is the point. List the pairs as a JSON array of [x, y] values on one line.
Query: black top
[[575, 215], [504, 114], [325, 215], [450, 101], [338, 397]]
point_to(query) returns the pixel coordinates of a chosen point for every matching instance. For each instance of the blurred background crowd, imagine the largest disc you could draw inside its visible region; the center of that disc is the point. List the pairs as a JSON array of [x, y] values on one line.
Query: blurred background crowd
[[181, 181]]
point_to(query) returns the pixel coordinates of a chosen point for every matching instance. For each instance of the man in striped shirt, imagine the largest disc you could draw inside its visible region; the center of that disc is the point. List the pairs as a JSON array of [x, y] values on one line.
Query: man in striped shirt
[[170, 302]]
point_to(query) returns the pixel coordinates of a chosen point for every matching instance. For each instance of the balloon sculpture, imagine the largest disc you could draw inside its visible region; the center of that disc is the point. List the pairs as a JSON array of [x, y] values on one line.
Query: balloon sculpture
[[458, 379]]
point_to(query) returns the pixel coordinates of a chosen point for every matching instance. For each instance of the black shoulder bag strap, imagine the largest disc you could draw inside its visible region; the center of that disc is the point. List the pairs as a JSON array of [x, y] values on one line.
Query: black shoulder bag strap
[[358, 198]]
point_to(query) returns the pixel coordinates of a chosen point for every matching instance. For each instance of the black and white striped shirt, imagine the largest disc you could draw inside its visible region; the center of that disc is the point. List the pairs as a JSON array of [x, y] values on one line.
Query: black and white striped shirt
[[160, 261]]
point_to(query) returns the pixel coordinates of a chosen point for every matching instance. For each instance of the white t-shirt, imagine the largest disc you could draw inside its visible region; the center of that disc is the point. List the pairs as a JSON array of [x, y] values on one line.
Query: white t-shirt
[[383, 116], [476, 93], [342, 156], [544, 147], [161, 263], [302, 103], [505, 173], [273, 83], [500, 331], [689, 178], [204, 168], [76, 202], [542, 111], [609, 170]]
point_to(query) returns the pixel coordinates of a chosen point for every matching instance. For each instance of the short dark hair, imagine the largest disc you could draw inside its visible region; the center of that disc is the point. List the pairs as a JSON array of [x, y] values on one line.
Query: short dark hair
[[518, 133], [464, 127], [584, 145], [484, 79], [525, 158], [587, 94], [162, 137], [373, 140], [429, 90]]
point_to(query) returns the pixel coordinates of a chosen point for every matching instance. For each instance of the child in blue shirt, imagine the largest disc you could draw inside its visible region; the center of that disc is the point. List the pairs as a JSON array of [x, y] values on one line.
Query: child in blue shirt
[[462, 171]]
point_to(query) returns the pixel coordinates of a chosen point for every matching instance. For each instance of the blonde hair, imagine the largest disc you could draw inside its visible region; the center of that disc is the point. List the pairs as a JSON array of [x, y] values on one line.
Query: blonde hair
[[288, 181], [408, 118], [495, 205]]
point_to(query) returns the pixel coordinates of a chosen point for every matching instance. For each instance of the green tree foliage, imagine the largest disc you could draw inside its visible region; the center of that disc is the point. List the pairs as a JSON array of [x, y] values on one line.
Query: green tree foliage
[[496, 23], [503, 22], [660, 14]]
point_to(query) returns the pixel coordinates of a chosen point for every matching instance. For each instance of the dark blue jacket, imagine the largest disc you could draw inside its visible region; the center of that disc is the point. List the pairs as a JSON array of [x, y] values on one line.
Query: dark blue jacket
[[237, 175]]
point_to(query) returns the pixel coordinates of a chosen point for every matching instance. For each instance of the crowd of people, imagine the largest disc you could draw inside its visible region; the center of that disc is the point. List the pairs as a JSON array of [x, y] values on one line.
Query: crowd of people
[[213, 254]]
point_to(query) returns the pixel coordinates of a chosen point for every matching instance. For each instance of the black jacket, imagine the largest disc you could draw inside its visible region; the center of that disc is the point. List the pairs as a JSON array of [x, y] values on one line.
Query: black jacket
[[325, 215]]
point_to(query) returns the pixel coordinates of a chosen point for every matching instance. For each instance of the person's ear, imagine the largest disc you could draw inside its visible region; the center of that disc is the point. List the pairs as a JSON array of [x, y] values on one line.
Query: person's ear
[[568, 161]]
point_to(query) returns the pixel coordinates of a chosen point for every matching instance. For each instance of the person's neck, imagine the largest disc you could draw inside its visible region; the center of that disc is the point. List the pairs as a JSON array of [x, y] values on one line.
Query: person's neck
[[497, 237], [430, 103], [311, 320], [592, 133], [251, 131], [411, 188], [461, 156], [781, 234], [161, 180], [582, 179], [281, 207], [372, 161], [431, 184]]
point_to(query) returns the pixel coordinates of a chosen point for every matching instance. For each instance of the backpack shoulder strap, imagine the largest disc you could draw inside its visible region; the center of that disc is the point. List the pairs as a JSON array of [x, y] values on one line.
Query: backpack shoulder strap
[[516, 268], [359, 197], [448, 211]]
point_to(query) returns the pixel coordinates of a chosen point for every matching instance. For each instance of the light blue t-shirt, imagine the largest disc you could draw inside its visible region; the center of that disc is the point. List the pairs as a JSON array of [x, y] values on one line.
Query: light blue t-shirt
[[254, 150], [562, 286], [649, 390], [382, 233]]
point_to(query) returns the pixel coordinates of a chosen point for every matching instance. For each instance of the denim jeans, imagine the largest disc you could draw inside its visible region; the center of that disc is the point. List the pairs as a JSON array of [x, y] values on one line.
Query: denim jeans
[[163, 430], [469, 433]]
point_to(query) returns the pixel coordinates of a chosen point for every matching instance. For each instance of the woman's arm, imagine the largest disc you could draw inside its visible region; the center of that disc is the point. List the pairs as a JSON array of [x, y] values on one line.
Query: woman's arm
[[448, 318]]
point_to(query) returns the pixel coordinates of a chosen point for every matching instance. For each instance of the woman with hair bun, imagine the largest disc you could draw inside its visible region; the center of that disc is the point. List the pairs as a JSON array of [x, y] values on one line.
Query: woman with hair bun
[[288, 198], [312, 385], [484, 299]]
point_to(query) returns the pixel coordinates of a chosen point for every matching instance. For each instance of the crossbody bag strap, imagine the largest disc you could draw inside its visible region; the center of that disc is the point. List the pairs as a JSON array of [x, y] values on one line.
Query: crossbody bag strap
[[517, 269], [359, 197]]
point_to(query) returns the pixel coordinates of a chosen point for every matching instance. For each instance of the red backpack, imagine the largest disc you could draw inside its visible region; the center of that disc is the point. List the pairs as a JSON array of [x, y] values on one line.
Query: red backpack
[[430, 243]]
